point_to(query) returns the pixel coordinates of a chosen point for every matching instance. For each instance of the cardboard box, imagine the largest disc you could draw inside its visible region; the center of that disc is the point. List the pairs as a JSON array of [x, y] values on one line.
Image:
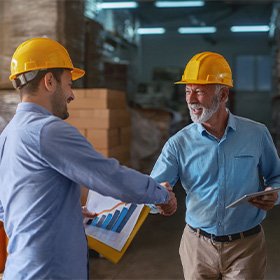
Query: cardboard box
[[125, 136], [101, 116], [98, 99], [121, 153], [83, 132], [57, 24], [103, 119], [104, 138]]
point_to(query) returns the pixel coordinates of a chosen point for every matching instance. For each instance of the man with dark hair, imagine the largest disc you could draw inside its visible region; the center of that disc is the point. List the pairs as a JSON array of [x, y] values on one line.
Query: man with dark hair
[[43, 163], [32, 86]]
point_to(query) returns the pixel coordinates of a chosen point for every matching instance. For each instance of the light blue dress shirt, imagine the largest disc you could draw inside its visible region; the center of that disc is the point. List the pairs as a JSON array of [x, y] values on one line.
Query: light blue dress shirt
[[214, 173], [43, 163]]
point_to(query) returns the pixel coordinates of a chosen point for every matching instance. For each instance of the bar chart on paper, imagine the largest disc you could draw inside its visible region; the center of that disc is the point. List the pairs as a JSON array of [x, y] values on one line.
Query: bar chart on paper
[[114, 221]]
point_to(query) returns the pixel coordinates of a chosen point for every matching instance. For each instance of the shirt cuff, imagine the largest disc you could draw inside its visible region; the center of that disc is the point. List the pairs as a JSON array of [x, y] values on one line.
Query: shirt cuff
[[154, 209], [163, 193]]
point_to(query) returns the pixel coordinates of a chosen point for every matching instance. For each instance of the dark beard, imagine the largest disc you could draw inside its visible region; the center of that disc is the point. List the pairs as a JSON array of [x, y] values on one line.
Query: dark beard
[[65, 115], [57, 108]]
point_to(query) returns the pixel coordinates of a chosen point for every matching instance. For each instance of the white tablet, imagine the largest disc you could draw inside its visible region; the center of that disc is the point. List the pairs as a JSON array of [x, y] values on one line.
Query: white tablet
[[244, 199]]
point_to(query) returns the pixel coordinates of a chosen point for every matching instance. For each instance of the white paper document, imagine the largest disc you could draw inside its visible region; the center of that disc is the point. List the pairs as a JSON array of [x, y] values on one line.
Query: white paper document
[[244, 199], [114, 222]]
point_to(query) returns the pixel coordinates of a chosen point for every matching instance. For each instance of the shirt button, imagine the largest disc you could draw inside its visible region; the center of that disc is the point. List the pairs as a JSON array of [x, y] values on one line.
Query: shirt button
[[219, 224]]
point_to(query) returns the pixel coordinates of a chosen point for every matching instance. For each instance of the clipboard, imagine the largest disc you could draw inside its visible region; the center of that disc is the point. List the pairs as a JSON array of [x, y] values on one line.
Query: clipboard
[[110, 253], [244, 199]]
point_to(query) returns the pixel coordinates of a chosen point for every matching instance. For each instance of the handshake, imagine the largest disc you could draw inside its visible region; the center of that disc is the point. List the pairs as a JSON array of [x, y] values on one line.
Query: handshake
[[170, 207], [166, 209]]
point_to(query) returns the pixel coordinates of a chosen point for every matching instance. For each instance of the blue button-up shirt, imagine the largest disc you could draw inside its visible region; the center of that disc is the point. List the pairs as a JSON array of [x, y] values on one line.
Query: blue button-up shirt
[[43, 163], [214, 173]]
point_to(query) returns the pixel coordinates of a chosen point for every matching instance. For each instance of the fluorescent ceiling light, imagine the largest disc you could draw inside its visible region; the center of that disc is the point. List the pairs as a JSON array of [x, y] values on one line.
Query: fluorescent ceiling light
[[117, 5], [155, 30], [250, 28], [173, 4], [197, 30]]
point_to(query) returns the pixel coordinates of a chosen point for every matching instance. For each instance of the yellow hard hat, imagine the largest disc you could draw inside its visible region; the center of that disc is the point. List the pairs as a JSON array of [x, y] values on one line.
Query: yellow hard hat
[[207, 68], [41, 53]]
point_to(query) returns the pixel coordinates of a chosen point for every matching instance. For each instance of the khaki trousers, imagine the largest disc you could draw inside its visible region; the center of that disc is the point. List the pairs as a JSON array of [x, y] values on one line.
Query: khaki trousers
[[202, 258]]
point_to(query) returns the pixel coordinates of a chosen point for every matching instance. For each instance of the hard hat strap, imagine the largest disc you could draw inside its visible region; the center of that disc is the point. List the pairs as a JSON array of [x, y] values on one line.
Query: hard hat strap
[[24, 78]]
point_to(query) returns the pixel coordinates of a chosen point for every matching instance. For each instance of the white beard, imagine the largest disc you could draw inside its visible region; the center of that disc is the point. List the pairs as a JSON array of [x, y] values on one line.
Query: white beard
[[206, 113]]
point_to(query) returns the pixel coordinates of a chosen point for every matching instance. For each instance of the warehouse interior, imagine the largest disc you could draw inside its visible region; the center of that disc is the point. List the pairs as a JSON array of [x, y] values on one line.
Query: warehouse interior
[[135, 72]]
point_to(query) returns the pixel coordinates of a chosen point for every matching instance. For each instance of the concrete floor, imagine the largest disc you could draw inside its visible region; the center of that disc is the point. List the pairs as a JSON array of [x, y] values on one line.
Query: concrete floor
[[153, 254]]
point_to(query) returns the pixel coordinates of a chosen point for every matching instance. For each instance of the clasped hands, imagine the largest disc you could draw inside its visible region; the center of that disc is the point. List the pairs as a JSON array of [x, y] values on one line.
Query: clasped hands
[[166, 209], [170, 207]]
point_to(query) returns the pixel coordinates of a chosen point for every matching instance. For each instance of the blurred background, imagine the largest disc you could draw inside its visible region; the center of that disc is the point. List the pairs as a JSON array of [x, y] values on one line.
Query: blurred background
[[141, 48]]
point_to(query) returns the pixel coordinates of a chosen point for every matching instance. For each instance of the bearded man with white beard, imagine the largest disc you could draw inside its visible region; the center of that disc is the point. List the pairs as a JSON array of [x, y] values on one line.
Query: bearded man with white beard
[[218, 159]]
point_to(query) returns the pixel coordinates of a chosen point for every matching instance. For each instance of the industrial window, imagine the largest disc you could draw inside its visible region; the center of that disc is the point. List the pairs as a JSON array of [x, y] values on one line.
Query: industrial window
[[253, 73]]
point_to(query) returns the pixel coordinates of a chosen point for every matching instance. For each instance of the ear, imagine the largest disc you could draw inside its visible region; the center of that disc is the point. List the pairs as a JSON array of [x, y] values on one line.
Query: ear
[[224, 94], [49, 82]]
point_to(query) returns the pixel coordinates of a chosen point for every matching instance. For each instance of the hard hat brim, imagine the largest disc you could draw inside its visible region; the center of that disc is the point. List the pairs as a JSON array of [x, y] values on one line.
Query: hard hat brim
[[77, 73], [203, 83]]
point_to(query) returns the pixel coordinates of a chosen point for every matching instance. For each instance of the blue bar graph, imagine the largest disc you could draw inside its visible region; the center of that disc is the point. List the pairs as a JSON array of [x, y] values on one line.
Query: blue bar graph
[[100, 222], [118, 222], [114, 222], [89, 222], [126, 218], [95, 221], [106, 222]]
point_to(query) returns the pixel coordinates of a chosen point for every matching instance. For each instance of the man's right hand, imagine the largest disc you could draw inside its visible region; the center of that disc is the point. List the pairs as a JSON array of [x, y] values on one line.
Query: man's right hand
[[170, 207]]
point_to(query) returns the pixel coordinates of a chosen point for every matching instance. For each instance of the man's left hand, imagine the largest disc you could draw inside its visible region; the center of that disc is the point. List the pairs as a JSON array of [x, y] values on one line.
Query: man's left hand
[[265, 202], [87, 214]]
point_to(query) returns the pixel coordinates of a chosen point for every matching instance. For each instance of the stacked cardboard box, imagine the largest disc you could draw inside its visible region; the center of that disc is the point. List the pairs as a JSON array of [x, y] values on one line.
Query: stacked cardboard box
[[58, 25], [102, 117]]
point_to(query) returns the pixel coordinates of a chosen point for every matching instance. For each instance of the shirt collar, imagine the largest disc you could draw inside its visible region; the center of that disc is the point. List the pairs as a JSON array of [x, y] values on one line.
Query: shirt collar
[[231, 124], [32, 107], [231, 121]]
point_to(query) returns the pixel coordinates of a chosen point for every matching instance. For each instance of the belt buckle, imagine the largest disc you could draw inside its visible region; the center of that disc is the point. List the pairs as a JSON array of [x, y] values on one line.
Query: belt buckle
[[212, 237], [229, 238]]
